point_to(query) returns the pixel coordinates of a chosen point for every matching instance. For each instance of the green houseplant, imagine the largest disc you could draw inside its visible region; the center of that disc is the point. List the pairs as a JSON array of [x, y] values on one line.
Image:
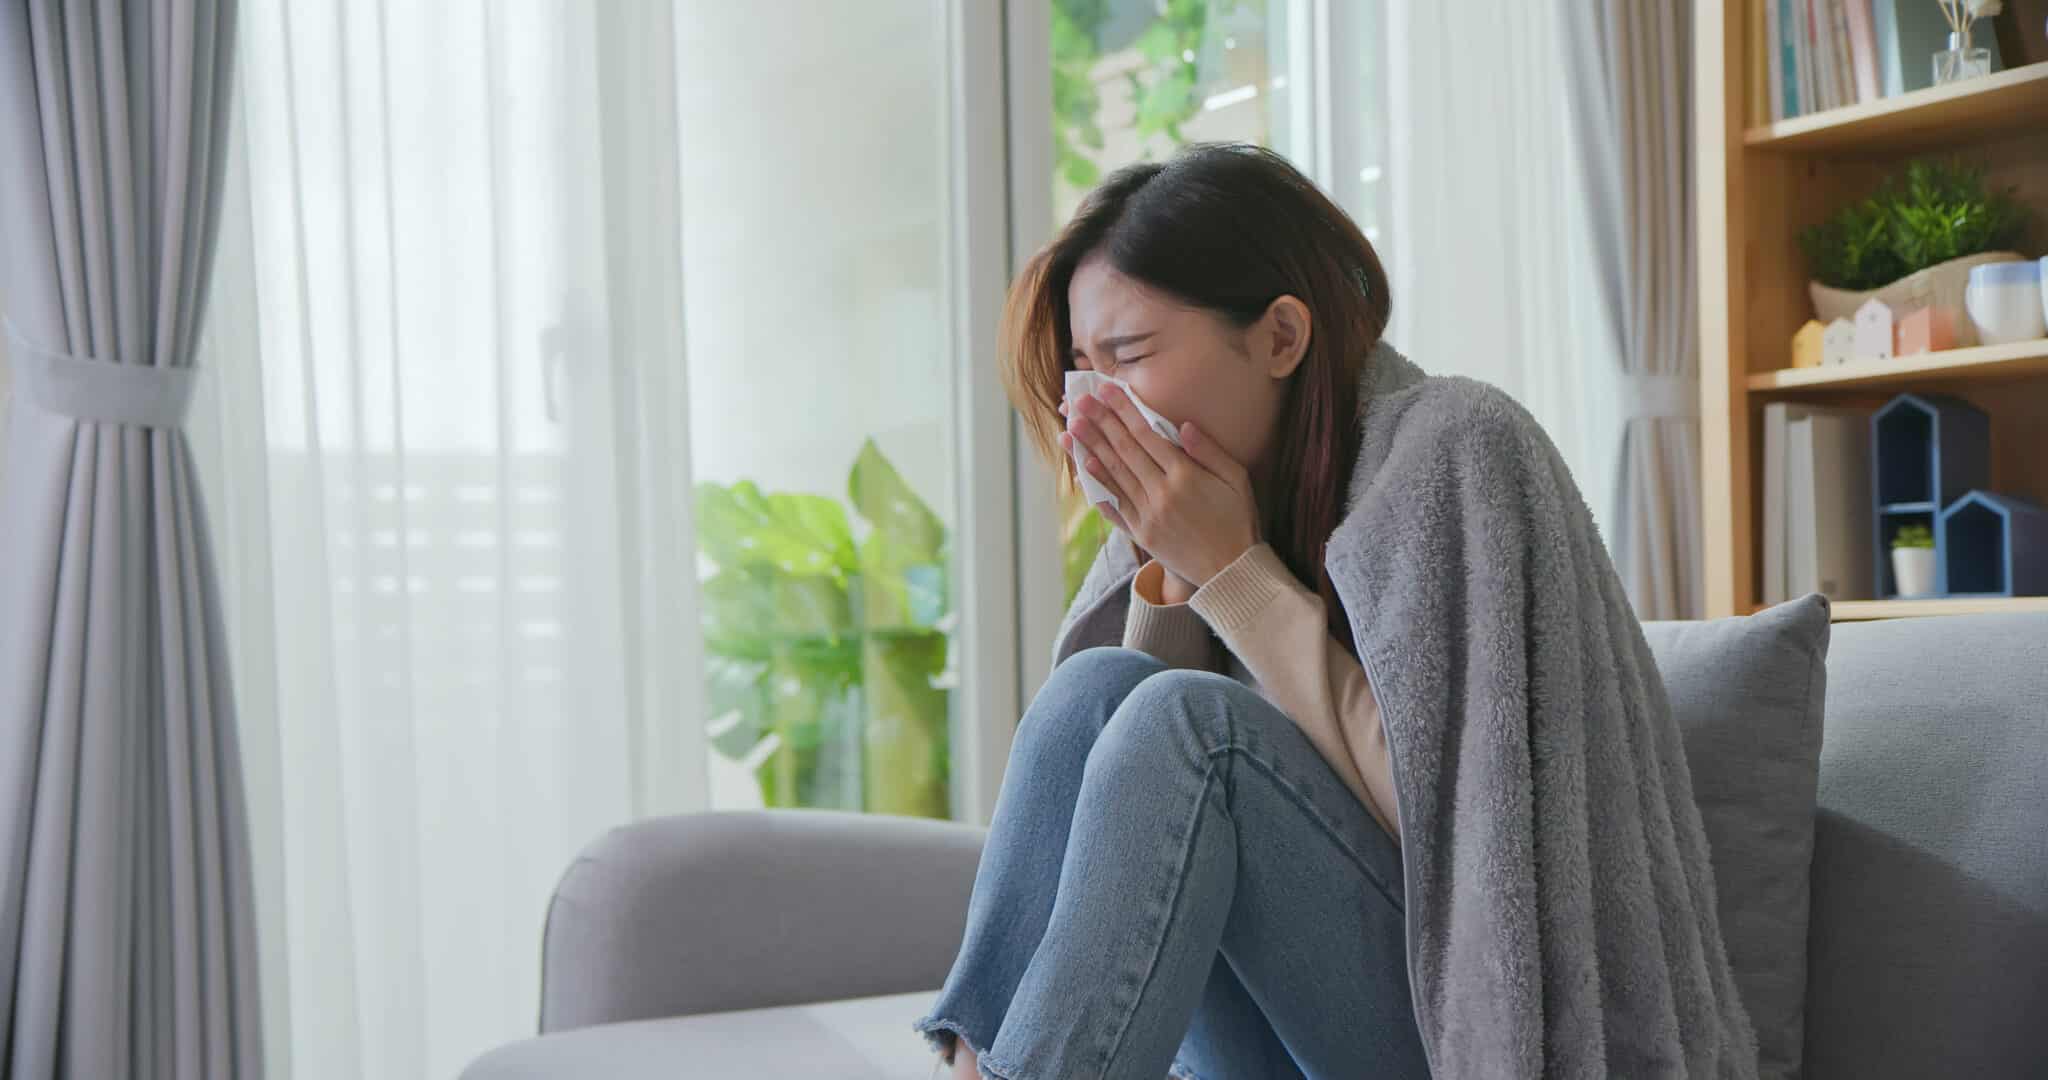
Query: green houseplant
[[1912, 243], [1913, 559], [826, 657]]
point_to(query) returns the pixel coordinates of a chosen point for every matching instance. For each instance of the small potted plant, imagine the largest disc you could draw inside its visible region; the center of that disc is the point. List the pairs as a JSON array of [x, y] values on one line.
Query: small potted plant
[[1912, 244], [1913, 560]]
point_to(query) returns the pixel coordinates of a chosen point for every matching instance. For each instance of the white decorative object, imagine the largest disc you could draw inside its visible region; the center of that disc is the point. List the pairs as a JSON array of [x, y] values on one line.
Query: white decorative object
[[1938, 286], [1913, 571], [2004, 302], [1838, 342], [1874, 330]]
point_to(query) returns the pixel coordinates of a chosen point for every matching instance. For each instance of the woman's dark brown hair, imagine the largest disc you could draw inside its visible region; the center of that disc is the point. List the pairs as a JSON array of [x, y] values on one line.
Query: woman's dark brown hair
[[1229, 228]]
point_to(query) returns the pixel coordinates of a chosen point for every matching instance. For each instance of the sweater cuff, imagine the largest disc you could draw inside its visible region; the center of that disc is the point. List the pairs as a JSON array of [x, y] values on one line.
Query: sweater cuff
[[1172, 632], [1239, 592]]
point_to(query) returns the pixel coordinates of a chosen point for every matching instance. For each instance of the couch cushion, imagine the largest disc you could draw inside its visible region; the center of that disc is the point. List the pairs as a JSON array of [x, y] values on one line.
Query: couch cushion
[[865, 1038], [1747, 694], [1930, 868]]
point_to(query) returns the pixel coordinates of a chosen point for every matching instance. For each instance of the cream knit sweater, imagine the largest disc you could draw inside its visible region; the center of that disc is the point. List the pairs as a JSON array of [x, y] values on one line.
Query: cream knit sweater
[[1276, 632]]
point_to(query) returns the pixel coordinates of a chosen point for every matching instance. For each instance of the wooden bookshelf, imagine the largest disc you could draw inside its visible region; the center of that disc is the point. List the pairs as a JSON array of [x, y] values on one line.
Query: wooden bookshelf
[[1759, 184], [1863, 610], [1869, 610], [2008, 102], [2023, 360]]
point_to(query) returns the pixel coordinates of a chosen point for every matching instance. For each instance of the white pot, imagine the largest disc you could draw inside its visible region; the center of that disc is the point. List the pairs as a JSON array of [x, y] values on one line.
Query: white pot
[[1913, 571], [2044, 288], [1941, 285], [2005, 302]]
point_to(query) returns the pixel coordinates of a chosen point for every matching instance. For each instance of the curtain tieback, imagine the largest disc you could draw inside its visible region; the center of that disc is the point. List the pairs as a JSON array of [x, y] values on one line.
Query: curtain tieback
[[1652, 397], [83, 388]]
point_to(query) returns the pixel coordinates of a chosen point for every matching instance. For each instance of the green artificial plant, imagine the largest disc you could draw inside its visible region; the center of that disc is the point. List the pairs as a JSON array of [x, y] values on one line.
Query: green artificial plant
[[1934, 212], [1913, 535]]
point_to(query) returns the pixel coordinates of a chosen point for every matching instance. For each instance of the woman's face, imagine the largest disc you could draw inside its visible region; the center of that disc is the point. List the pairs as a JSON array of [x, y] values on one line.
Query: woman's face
[[1189, 364]]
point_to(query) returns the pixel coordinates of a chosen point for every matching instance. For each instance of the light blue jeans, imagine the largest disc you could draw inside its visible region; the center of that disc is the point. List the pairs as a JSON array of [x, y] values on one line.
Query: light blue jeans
[[1176, 882]]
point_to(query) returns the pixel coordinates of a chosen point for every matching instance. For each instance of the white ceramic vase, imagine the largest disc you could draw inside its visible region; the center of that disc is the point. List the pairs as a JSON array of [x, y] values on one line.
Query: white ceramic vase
[[2044, 288], [1941, 285], [2005, 302], [1913, 571]]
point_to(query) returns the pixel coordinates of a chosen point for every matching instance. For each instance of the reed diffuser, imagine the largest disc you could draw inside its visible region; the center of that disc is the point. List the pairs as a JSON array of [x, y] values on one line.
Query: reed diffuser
[[1961, 60]]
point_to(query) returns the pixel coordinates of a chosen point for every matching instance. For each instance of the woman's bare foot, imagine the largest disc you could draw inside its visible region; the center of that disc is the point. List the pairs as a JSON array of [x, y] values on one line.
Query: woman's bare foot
[[964, 1062]]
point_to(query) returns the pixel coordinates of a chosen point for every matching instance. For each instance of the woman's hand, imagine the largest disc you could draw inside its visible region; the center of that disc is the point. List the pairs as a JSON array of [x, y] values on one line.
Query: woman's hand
[[1192, 510]]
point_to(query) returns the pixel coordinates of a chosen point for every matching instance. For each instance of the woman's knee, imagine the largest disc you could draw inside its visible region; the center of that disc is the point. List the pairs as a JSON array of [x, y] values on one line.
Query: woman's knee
[[1076, 701], [1105, 670], [1174, 702]]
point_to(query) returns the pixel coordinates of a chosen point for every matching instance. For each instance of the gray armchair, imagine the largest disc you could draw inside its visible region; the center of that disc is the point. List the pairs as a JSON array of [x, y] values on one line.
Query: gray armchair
[[816, 936]]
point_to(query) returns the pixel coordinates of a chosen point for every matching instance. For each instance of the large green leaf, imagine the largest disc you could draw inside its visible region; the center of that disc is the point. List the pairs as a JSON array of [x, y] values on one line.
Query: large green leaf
[[739, 526], [1160, 43], [814, 716], [1086, 532], [736, 697], [903, 560], [1169, 100], [904, 740], [880, 495], [746, 610]]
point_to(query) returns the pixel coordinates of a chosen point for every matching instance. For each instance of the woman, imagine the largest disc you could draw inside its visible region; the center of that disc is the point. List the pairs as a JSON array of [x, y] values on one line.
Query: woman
[[1196, 863]]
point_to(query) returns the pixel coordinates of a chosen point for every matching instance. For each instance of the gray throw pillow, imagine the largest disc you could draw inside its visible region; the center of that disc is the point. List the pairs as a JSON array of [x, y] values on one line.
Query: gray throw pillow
[[1747, 694]]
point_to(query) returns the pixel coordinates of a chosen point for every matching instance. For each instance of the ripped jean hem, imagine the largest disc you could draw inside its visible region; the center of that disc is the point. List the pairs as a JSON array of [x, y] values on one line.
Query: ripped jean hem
[[941, 1034]]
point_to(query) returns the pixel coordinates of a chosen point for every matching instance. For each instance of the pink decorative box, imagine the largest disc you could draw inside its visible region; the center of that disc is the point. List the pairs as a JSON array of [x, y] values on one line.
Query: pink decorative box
[[1930, 329]]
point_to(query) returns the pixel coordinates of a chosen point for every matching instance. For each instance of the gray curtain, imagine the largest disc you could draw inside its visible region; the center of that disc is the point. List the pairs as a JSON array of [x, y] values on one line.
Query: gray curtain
[[1631, 93], [127, 936]]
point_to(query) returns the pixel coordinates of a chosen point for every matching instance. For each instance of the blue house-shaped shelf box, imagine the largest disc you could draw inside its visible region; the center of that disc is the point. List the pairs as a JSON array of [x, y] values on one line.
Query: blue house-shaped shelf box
[[1993, 545], [1929, 450]]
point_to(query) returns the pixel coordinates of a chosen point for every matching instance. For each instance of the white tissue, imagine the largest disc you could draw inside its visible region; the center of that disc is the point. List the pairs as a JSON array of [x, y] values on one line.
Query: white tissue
[[1090, 382]]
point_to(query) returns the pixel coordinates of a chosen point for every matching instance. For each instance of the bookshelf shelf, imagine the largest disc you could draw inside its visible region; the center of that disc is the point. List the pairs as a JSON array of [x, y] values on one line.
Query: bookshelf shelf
[[1862, 610], [2019, 360], [2009, 102]]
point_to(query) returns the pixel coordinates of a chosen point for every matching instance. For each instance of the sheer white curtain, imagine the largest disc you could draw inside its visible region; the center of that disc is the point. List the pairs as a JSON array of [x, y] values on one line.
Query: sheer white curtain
[[1491, 258], [449, 458]]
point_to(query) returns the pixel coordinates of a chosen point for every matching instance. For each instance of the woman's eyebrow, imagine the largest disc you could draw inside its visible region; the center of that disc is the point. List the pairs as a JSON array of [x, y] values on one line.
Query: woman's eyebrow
[[1111, 344]]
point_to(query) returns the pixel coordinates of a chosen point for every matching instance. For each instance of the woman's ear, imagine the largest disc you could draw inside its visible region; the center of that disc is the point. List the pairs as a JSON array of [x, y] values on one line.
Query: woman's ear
[[1283, 336]]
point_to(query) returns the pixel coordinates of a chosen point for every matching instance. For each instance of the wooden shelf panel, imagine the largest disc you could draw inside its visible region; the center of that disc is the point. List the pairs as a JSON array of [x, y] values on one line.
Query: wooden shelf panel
[[2018, 360], [1863, 610], [2010, 102]]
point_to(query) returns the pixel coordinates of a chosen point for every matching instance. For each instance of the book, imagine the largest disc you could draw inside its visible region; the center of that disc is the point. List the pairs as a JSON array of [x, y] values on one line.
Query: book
[[1788, 59], [1824, 46], [1815, 79], [1755, 62], [1845, 58], [1774, 44], [1822, 479], [1863, 45], [1839, 560], [1799, 56], [1800, 560]]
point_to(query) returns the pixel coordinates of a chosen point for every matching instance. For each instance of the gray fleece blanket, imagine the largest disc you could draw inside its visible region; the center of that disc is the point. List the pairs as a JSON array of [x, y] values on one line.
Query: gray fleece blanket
[[1560, 906]]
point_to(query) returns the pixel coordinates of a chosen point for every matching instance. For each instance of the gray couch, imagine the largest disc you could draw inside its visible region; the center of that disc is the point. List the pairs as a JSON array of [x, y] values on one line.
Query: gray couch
[[803, 943]]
